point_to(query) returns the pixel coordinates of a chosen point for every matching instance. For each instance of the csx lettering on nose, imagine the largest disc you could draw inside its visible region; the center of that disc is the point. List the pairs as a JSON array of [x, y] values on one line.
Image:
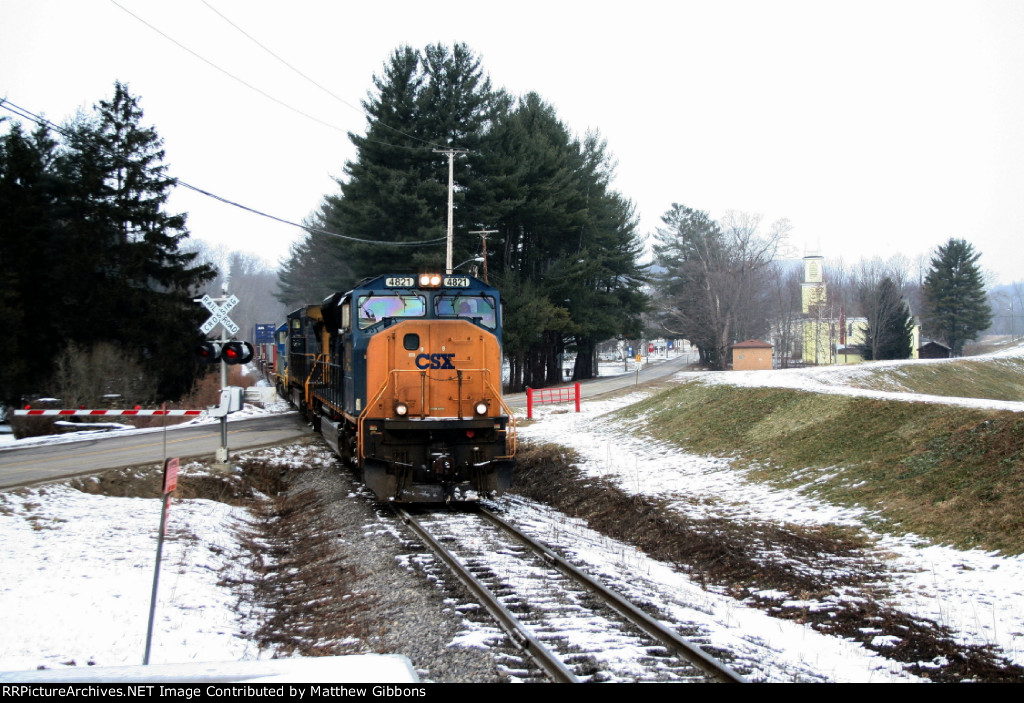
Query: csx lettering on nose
[[435, 361]]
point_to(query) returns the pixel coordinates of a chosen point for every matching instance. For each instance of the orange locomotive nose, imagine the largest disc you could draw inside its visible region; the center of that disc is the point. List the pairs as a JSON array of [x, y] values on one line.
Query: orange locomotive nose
[[436, 369]]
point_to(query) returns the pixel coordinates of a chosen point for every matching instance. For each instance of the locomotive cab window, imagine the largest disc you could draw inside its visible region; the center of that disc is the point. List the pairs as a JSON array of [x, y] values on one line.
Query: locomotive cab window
[[374, 308], [479, 308], [411, 342]]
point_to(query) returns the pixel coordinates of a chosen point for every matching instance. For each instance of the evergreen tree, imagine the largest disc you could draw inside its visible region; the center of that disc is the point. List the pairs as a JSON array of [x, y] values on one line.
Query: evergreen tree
[[890, 333], [30, 282], [89, 252], [566, 249], [564, 236], [956, 307], [688, 246], [144, 281], [396, 190]]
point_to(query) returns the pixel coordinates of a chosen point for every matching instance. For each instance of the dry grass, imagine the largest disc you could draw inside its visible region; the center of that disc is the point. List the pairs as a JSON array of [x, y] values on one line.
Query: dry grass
[[300, 583], [999, 379], [953, 474], [832, 566]]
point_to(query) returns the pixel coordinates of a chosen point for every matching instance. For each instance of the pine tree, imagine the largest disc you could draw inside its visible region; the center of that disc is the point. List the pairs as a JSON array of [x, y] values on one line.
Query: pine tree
[[144, 282], [956, 307], [396, 189], [30, 282], [564, 236], [712, 288], [566, 243], [890, 332]]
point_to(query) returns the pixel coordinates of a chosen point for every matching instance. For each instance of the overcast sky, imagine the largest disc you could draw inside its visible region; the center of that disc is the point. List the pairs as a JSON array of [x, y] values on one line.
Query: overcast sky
[[875, 127]]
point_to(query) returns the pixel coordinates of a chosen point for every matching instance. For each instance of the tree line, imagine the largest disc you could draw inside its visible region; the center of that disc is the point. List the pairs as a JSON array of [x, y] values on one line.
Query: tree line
[[91, 264], [562, 245], [718, 283]]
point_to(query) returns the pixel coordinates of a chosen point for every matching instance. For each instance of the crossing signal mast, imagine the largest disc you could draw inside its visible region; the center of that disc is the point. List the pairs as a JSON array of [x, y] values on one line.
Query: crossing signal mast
[[227, 353]]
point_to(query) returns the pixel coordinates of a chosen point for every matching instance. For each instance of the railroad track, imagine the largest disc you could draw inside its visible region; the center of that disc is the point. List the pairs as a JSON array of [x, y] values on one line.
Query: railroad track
[[573, 627]]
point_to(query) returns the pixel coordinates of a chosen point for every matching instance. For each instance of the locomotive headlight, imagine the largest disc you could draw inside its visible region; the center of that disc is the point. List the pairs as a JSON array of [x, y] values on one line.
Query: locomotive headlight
[[481, 408], [430, 280], [401, 409]]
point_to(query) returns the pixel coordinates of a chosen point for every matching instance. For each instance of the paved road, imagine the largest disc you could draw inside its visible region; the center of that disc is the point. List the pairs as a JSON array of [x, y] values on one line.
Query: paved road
[[48, 462], [600, 386]]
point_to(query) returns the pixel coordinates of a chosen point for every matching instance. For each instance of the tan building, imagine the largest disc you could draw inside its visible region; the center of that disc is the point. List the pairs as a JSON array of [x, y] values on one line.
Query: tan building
[[752, 355]]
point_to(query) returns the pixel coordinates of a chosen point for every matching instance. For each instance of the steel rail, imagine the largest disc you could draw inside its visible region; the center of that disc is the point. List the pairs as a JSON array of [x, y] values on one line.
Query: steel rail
[[521, 637], [682, 648]]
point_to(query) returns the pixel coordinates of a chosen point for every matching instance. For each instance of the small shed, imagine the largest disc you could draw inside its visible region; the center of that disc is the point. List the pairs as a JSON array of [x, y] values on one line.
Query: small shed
[[933, 350], [752, 355]]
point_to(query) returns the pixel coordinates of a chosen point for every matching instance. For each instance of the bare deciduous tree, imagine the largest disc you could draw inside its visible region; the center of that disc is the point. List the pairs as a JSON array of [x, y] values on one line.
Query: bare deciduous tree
[[712, 287], [100, 375]]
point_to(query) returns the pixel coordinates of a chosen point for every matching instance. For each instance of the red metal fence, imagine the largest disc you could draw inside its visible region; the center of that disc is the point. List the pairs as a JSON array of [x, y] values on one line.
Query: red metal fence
[[543, 396]]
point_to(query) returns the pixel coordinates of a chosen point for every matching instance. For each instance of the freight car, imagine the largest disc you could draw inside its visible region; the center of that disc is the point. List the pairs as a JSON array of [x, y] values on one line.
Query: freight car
[[402, 377]]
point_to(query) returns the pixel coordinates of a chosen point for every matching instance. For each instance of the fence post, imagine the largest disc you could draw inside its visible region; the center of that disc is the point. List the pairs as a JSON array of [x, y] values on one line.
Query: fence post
[[577, 396], [529, 403]]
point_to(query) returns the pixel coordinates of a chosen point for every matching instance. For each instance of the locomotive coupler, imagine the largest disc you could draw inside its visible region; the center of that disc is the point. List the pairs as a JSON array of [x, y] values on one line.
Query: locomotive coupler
[[443, 466], [444, 470]]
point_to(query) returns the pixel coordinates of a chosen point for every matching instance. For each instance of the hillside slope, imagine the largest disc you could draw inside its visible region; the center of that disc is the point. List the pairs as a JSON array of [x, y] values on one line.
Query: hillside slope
[[945, 461]]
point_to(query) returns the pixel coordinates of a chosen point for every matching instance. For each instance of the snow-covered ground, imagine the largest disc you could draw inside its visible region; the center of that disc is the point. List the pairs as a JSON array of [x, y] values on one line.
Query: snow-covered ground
[[978, 595], [78, 568]]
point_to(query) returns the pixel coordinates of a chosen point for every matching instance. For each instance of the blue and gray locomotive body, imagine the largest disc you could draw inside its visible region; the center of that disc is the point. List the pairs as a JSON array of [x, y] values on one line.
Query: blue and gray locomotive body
[[402, 377]]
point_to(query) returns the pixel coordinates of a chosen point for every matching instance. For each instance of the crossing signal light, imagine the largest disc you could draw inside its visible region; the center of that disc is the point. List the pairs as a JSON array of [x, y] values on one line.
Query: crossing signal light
[[228, 352], [237, 353], [207, 352]]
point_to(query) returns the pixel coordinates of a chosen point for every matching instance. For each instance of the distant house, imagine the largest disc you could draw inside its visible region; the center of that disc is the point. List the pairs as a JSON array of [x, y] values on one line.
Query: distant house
[[752, 355], [933, 350], [829, 336]]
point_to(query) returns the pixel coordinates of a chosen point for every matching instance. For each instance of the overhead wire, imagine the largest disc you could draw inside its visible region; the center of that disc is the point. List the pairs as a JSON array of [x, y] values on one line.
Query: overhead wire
[[310, 80], [227, 73], [270, 97], [24, 113]]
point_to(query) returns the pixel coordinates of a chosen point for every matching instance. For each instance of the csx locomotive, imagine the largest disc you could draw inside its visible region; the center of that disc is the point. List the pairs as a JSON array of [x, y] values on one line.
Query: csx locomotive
[[402, 377]]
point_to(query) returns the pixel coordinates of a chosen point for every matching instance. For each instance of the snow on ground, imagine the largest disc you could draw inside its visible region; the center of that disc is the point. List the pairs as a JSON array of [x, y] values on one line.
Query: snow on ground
[[78, 574], [980, 596], [836, 380], [776, 650], [78, 568], [78, 578]]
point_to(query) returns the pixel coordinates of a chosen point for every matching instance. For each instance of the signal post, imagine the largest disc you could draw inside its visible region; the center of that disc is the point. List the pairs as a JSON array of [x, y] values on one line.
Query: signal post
[[227, 352]]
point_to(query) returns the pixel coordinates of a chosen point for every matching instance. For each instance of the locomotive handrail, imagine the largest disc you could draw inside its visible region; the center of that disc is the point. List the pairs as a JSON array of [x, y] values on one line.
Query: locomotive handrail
[[319, 360], [511, 418], [362, 416]]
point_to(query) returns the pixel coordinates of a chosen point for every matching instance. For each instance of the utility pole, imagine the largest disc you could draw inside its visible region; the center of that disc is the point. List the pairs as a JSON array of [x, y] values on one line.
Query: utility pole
[[483, 239], [451, 192]]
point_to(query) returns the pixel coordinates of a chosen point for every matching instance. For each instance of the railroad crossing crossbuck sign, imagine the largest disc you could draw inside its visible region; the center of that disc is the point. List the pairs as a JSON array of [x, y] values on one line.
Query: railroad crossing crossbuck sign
[[220, 314]]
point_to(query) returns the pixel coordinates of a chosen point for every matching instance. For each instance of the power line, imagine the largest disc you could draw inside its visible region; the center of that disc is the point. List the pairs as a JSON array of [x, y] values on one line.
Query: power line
[[211, 64], [267, 95], [43, 122], [313, 82]]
